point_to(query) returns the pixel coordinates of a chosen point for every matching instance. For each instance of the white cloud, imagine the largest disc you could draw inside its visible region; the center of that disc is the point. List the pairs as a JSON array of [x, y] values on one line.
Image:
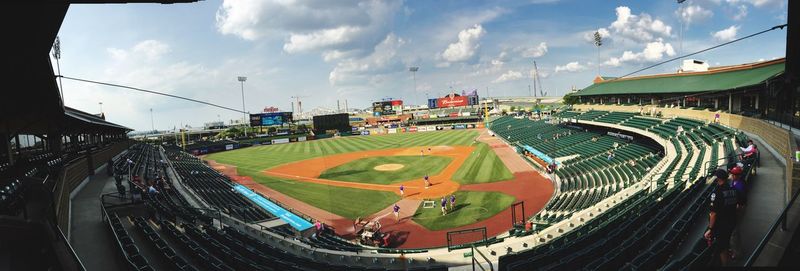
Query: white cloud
[[741, 12], [508, 76], [383, 60], [466, 46], [640, 27], [727, 34], [310, 25], [538, 51], [768, 3], [150, 50], [653, 51], [694, 14], [573, 66], [761, 3]]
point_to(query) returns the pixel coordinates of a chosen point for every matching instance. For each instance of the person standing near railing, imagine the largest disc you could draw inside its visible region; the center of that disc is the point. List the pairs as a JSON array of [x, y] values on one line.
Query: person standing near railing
[[721, 216], [737, 183]]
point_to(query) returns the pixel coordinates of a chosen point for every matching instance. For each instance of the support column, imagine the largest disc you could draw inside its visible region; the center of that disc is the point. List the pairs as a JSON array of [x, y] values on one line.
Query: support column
[[757, 98], [730, 102], [716, 103]]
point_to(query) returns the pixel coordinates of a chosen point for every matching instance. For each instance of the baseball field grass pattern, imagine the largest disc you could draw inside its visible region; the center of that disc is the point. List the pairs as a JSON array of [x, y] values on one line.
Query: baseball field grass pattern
[[362, 170], [353, 202]]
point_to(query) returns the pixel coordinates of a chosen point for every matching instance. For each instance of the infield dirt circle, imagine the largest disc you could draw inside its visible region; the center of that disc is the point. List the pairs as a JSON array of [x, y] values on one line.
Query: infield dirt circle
[[389, 167]]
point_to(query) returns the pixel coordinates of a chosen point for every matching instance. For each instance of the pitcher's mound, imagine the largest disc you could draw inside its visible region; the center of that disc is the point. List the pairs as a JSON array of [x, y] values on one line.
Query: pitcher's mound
[[388, 167]]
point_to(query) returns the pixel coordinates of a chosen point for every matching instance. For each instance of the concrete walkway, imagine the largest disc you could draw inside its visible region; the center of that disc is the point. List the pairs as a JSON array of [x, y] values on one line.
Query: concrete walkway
[[91, 238], [765, 203]]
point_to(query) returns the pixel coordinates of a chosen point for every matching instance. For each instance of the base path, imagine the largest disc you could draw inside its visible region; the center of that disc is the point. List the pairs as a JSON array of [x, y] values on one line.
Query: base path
[[506, 153], [442, 184]]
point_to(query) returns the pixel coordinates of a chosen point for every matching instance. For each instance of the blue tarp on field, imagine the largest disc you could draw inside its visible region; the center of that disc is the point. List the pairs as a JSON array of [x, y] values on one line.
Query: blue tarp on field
[[295, 221]]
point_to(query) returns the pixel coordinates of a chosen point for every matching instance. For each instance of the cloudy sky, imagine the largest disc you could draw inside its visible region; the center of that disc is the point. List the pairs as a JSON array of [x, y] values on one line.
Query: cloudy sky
[[360, 50]]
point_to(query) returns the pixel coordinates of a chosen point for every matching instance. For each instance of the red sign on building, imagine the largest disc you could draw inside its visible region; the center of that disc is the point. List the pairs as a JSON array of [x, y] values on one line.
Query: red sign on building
[[452, 101]]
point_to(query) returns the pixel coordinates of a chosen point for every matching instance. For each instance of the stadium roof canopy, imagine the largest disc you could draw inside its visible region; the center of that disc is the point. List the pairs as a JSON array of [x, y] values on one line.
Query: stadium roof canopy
[[713, 80], [79, 121]]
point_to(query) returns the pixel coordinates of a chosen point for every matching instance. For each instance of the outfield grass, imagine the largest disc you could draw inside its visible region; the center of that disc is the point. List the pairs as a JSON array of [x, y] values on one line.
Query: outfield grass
[[267, 156], [471, 207], [362, 170], [346, 202], [482, 166], [343, 201]]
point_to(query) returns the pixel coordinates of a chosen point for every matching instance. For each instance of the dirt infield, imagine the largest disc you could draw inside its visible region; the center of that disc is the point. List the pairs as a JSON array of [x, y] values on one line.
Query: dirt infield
[[527, 186], [389, 167], [441, 184]]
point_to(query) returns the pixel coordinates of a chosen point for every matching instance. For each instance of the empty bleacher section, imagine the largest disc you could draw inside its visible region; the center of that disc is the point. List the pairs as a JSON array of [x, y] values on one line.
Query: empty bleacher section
[[214, 187], [644, 231], [587, 175]]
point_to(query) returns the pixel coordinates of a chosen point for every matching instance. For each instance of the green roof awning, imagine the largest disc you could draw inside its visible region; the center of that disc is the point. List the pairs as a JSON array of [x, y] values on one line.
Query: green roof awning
[[713, 80]]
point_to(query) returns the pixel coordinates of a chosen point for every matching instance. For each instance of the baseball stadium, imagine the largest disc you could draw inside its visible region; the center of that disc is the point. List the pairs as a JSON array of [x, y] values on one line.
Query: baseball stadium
[[655, 169]]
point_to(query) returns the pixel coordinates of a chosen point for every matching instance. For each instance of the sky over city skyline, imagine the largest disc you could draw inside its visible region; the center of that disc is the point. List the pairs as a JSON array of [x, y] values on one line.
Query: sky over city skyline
[[361, 50]]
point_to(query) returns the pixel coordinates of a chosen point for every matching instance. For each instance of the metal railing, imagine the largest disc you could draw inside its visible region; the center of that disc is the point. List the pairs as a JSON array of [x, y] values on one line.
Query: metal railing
[[71, 250], [476, 260]]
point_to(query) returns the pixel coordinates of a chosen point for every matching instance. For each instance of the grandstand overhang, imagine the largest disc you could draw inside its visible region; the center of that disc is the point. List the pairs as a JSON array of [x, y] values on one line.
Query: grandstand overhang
[[716, 79], [77, 121]]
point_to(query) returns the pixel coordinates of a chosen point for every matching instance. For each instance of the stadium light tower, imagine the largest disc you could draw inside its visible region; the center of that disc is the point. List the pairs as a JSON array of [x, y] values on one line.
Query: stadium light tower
[[152, 123], [598, 41], [244, 120], [57, 56], [413, 71], [680, 32]]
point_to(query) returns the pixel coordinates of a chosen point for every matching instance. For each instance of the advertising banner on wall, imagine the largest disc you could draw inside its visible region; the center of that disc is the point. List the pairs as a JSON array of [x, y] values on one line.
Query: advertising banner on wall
[[391, 130], [280, 141], [452, 101], [228, 147], [432, 103]]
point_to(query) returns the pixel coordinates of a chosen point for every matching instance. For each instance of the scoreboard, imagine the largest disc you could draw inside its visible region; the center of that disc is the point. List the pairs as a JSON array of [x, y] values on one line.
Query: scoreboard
[[270, 119]]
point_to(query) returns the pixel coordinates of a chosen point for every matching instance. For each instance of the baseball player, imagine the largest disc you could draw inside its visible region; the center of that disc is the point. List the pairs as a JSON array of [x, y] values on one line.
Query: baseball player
[[401, 190], [396, 212], [452, 202], [444, 206], [427, 182]]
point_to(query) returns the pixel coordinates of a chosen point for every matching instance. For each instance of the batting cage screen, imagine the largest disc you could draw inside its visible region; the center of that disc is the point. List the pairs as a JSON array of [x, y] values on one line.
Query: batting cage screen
[[464, 238]]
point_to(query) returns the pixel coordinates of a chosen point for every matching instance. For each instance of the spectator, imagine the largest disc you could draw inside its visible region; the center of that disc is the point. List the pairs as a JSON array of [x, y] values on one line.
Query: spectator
[[748, 151], [151, 190], [610, 155], [110, 167], [737, 183], [722, 216], [679, 131]]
